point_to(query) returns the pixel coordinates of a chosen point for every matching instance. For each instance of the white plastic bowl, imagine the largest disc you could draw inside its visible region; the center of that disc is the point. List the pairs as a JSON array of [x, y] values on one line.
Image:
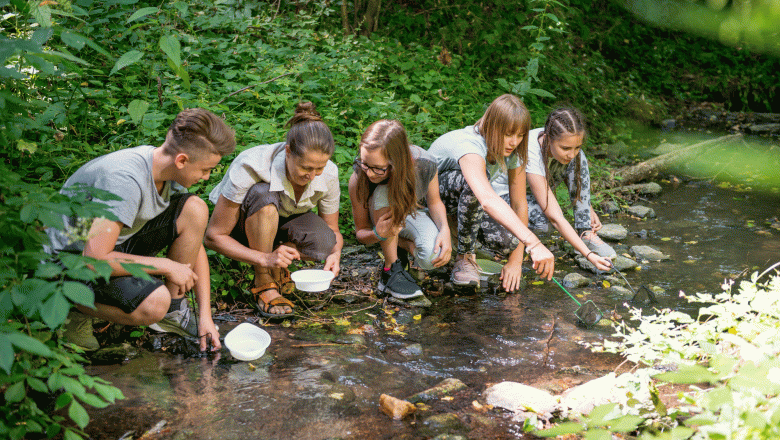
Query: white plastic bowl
[[312, 280], [247, 342]]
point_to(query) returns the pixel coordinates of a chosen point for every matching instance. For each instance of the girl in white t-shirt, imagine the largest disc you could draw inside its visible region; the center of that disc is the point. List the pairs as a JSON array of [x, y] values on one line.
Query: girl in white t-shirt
[[555, 156], [468, 160]]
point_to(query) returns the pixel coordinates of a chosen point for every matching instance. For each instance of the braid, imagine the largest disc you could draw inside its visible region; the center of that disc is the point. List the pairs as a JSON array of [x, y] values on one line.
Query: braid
[[560, 122]]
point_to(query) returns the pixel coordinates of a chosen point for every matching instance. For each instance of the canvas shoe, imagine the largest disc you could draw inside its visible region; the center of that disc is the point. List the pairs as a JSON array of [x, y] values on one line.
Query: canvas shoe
[[465, 272], [79, 331], [179, 321], [597, 245], [398, 283]]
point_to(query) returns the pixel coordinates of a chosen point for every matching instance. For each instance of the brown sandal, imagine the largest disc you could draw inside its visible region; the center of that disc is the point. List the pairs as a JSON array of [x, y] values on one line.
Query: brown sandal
[[263, 307], [282, 278]]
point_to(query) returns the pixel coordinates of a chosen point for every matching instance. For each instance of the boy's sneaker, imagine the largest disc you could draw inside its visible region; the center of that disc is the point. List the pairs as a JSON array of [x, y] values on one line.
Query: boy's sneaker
[[597, 245], [79, 331], [179, 321], [398, 283], [465, 272]]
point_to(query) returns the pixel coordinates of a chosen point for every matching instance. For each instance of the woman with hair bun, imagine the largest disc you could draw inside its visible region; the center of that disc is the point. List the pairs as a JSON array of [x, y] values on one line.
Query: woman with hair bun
[[389, 169], [263, 209]]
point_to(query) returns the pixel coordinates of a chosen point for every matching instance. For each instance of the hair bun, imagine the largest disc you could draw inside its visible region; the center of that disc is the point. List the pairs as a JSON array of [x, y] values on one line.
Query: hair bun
[[304, 112]]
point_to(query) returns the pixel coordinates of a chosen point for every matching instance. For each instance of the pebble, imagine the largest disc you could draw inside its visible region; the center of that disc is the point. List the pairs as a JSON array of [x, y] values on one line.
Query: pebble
[[622, 291], [609, 207], [641, 211], [514, 396], [620, 262], [395, 408], [574, 279], [648, 253], [613, 231]]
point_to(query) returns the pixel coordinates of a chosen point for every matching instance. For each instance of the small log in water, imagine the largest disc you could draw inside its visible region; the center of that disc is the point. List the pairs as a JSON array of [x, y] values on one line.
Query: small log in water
[[643, 170]]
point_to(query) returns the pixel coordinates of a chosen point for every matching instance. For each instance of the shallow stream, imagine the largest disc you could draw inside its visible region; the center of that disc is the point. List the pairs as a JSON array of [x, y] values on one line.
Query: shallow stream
[[305, 388]]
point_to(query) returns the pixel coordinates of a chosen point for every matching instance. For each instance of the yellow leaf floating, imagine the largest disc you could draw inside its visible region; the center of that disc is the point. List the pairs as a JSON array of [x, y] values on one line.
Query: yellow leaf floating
[[537, 283], [665, 239], [447, 398], [605, 283], [691, 242], [337, 396], [690, 261], [417, 317]]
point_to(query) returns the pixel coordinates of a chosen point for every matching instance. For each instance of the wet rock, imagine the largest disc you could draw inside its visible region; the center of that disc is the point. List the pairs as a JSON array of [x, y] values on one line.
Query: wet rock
[[658, 290], [620, 262], [447, 386], [764, 128], [397, 409], [648, 253], [641, 211], [613, 231], [608, 389], [575, 280], [405, 316], [622, 291], [412, 350], [614, 281], [641, 234], [650, 188], [443, 422], [609, 207], [449, 437], [114, 354], [516, 397], [420, 301], [350, 339]]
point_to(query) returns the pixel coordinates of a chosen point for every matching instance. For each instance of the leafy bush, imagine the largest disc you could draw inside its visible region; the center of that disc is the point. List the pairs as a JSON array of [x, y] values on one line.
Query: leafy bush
[[39, 373], [732, 347]]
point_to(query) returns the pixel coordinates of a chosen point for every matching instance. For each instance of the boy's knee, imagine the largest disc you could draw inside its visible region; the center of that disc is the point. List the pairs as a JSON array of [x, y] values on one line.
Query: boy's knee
[[196, 211], [153, 308]]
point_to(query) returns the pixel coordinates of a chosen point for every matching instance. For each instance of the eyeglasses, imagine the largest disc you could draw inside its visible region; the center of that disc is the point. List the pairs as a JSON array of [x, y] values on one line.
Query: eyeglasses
[[376, 170]]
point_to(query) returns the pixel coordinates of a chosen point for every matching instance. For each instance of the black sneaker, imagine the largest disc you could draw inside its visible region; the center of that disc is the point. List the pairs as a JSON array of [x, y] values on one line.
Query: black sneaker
[[398, 283]]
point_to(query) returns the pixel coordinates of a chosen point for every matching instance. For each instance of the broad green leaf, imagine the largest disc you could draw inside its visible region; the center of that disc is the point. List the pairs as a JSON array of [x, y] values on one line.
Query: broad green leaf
[[48, 270], [626, 423], [136, 270], [72, 435], [137, 108], [143, 12], [542, 93], [109, 392], [74, 40], [127, 59], [688, 374], [62, 401], [597, 434], [602, 414], [77, 413], [42, 14], [37, 385], [6, 305], [171, 46], [55, 310], [15, 393], [93, 400], [6, 354], [73, 386], [79, 293], [29, 344], [28, 147]]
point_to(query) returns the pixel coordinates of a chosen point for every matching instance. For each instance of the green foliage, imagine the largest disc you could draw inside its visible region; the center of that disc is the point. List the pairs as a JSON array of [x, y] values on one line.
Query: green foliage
[[732, 346], [38, 375]]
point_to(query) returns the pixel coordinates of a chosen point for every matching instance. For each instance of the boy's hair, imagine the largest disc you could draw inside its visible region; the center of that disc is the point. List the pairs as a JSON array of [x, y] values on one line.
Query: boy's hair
[[506, 115], [390, 136], [308, 132], [198, 132], [560, 122]]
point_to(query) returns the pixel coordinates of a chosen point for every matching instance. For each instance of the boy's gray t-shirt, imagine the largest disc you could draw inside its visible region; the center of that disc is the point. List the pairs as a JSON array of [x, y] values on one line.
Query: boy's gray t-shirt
[[128, 174]]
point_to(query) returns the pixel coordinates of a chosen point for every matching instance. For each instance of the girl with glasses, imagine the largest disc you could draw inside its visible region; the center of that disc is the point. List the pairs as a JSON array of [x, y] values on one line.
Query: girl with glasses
[[389, 169], [263, 209], [468, 160]]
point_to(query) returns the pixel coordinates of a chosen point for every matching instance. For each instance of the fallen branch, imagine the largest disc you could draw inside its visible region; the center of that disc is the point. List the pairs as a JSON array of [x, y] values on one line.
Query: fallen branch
[[253, 85], [643, 170]]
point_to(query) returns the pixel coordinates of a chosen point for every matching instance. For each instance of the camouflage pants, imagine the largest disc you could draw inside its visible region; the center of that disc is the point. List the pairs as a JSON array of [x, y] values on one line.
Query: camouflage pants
[[537, 221], [474, 225]]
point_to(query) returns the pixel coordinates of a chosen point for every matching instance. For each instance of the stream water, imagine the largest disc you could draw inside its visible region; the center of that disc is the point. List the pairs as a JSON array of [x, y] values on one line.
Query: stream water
[[304, 389]]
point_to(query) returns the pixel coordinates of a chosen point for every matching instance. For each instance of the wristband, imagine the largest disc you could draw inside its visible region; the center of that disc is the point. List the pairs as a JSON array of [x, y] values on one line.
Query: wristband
[[528, 248], [586, 256], [379, 236]]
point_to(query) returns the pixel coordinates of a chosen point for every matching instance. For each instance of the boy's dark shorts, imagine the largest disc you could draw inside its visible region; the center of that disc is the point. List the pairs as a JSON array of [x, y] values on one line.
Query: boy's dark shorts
[[308, 232], [128, 292]]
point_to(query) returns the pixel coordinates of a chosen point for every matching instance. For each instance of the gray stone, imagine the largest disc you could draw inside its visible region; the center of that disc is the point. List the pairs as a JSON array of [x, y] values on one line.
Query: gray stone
[[443, 422], [575, 280], [420, 301], [621, 389], [620, 262], [764, 128], [449, 437], [609, 207], [651, 188], [614, 280], [622, 291], [648, 253], [412, 350], [516, 397], [613, 231], [447, 386], [641, 211]]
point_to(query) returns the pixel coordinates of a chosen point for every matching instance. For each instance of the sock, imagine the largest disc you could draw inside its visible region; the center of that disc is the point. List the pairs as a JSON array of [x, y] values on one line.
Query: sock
[[175, 304]]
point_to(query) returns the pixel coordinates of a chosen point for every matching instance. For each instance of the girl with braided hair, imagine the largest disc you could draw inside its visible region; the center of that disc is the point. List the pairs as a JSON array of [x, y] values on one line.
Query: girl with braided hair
[[554, 156]]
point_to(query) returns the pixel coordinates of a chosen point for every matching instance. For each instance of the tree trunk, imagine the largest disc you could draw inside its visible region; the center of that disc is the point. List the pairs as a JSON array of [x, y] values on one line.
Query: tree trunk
[[643, 170], [371, 17]]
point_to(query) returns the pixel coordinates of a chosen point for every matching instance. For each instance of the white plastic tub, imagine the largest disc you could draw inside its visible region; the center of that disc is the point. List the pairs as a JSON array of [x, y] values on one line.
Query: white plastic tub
[[247, 342]]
